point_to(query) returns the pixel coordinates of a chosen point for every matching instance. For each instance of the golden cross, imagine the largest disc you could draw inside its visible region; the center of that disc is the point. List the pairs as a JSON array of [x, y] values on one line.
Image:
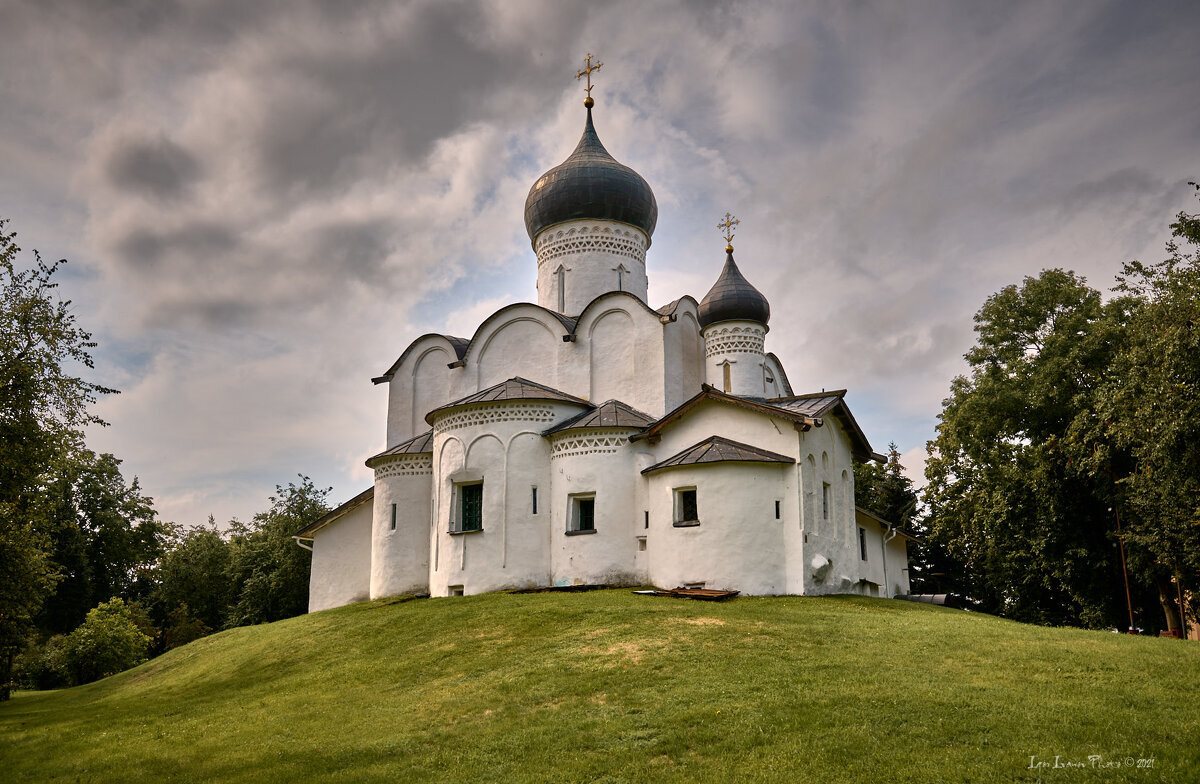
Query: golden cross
[[726, 227], [587, 71]]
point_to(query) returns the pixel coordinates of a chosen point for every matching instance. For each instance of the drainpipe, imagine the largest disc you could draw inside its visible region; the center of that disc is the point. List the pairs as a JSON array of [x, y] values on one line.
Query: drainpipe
[[300, 542], [887, 537]]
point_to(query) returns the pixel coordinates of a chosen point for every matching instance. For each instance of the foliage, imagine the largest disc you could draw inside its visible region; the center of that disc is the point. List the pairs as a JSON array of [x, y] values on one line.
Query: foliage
[[104, 534], [268, 572], [107, 642], [1028, 529], [182, 627], [607, 686], [194, 573], [42, 409], [43, 665], [1150, 409], [885, 490], [1077, 414]]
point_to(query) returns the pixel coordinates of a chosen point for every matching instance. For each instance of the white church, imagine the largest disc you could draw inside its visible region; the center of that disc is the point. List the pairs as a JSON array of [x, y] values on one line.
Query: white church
[[595, 439]]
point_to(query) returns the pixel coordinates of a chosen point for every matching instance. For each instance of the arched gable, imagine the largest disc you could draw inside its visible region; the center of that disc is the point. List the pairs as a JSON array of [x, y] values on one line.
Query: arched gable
[[418, 381]]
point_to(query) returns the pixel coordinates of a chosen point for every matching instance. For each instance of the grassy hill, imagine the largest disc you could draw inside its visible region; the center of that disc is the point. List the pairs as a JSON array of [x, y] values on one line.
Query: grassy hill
[[612, 687]]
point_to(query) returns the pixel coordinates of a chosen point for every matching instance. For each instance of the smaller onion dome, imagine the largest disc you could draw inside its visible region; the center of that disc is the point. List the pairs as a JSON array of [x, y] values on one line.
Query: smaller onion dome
[[733, 298], [590, 184]]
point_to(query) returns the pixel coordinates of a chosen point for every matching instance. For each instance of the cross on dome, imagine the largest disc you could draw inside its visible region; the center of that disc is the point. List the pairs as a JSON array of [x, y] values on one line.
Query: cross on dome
[[588, 67], [726, 227]]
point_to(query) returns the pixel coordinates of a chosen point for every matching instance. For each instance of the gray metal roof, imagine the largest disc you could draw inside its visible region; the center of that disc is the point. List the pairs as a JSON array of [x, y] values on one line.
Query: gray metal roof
[[590, 183], [716, 449], [309, 530], [422, 444], [811, 405], [611, 413], [733, 298], [515, 388]]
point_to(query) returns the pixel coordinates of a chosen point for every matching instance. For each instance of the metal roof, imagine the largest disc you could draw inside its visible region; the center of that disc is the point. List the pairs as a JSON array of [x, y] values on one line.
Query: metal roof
[[515, 388], [716, 449], [733, 298], [422, 444], [309, 530], [610, 413], [590, 183]]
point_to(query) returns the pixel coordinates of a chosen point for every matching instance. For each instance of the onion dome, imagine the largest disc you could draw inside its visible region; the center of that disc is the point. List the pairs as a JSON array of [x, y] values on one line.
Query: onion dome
[[590, 183], [733, 298]]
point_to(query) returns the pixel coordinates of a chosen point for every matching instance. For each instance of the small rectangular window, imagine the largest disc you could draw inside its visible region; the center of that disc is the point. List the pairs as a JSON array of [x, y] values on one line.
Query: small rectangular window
[[393, 526], [456, 590], [825, 491], [777, 510], [642, 544], [470, 508], [862, 543], [686, 510], [587, 514], [534, 501], [582, 513]]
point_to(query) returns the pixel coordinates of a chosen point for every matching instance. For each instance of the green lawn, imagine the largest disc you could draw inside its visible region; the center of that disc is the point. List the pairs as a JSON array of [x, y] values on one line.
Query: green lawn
[[611, 687]]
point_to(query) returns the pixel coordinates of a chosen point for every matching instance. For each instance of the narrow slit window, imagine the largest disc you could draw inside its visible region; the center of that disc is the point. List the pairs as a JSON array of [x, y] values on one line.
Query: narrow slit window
[[646, 519], [393, 524], [862, 543], [534, 501], [825, 493], [777, 509]]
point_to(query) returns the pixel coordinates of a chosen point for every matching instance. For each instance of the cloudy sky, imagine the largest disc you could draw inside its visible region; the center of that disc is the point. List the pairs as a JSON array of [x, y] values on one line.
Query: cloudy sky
[[263, 203]]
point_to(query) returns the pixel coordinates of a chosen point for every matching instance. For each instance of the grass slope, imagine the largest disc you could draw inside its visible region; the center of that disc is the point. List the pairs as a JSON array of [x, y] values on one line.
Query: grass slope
[[612, 687]]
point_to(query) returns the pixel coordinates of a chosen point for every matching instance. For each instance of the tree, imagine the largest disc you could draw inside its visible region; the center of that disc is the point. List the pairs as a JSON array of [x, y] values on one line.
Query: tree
[[885, 490], [104, 534], [1027, 524], [194, 573], [1149, 410], [107, 642], [42, 410], [268, 572]]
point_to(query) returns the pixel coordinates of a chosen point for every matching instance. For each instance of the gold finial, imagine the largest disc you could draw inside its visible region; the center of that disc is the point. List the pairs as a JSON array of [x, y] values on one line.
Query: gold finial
[[587, 71], [726, 227]]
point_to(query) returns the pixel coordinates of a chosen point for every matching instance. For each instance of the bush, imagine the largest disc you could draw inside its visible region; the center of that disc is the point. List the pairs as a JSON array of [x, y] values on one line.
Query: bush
[[44, 665], [107, 642]]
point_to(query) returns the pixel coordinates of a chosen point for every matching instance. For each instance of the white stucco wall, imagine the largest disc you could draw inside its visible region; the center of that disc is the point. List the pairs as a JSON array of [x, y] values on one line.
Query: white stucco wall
[[826, 459], [740, 345], [738, 544], [599, 463], [589, 252], [341, 561], [400, 557], [499, 443]]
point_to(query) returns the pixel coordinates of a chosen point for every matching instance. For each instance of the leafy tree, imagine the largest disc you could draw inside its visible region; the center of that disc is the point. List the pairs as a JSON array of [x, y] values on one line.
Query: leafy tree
[[107, 642], [194, 573], [885, 490], [1028, 526], [104, 534], [42, 409], [268, 572], [1149, 410], [182, 627]]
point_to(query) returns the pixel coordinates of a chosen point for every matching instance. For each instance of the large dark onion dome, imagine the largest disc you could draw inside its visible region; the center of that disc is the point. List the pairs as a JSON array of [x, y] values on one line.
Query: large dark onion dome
[[733, 298], [590, 183]]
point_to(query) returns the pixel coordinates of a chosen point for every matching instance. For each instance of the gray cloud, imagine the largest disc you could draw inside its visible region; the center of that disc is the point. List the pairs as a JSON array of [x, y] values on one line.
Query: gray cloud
[[156, 168], [267, 191]]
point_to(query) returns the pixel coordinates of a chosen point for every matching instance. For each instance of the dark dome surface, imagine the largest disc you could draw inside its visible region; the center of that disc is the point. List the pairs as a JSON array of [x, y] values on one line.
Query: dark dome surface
[[733, 298], [590, 183]]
